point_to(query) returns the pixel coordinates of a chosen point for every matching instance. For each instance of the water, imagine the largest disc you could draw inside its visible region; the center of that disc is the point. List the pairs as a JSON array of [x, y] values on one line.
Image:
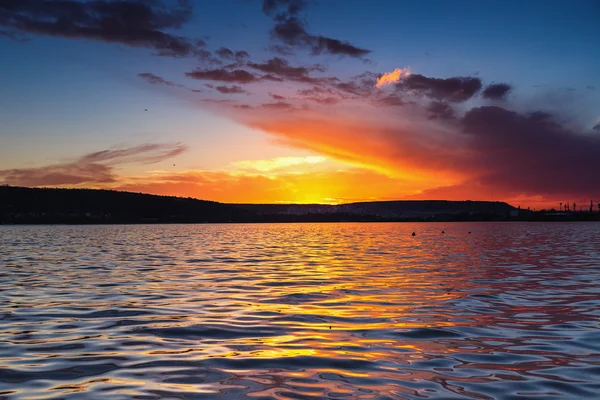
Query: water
[[301, 311]]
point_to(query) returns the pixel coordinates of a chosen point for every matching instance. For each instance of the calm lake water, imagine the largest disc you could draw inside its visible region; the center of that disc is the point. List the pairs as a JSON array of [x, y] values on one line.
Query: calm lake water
[[301, 311]]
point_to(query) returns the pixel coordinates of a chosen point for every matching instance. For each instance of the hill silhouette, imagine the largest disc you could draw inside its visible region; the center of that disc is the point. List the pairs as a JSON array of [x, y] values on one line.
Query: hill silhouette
[[20, 205]]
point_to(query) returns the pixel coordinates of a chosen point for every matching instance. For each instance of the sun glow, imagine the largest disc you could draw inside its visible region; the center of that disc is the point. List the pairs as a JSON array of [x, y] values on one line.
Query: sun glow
[[278, 163]]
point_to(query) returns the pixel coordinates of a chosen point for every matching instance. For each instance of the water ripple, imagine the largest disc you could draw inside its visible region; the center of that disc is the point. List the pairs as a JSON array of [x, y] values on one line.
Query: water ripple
[[301, 311]]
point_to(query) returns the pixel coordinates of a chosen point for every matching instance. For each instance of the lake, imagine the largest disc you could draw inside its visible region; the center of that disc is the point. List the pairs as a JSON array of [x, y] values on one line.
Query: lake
[[301, 311]]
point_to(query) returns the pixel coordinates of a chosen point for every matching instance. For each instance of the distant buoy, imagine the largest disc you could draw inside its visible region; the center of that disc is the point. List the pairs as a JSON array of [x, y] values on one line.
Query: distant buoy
[[469, 232], [414, 234], [443, 231]]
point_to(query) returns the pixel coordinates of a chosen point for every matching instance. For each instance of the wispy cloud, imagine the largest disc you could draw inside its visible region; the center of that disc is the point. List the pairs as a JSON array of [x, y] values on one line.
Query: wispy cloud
[[91, 168]]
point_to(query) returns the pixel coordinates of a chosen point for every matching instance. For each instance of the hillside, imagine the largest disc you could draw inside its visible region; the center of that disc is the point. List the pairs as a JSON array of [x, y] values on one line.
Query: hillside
[[28, 205]]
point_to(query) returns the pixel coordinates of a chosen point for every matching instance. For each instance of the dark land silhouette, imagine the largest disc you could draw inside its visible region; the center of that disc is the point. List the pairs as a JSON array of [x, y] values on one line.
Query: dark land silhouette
[[20, 205]]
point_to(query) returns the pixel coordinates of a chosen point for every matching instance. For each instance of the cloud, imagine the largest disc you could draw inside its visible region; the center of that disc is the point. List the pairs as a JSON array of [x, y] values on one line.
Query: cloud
[[275, 69], [456, 89], [283, 7], [391, 100], [142, 154], [532, 153], [222, 75], [322, 44], [280, 105], [321, 94], [276, 96], [60, 174], [228, 54], [291, 31], [280, 69], [92, 168], [440, 110], [157, 80], [230, 89], [392, 77], [494, 151], [596, 127], [132, 23], [496, 91]]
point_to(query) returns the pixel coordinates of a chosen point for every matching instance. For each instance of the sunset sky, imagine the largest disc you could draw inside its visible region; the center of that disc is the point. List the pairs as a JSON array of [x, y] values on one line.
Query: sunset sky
[[304, 101]]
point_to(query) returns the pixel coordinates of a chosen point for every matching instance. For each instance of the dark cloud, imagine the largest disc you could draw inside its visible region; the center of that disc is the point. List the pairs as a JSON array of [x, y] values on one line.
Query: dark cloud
[[241, 55], [207, 57], [228, 54], [317, 91], [282, 8], [455, 89], [322, 95], [531, 153], [361, 85], [291, 31], [231, 89], [323, 44], [225, 53], [157, 80], [391, 100], [280, 105], [280, 68], [440, 110], [133, 23], [97, 167], [590, 87], [222, 75], [496, 91], [276, 96], [269, 77], [596, 127]]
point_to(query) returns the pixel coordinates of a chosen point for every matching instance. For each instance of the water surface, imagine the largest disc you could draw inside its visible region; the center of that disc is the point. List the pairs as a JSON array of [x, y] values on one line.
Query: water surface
[[301, 311]]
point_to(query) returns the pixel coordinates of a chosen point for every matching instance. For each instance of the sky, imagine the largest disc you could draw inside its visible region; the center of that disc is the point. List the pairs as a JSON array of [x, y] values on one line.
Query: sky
[[304, 101]]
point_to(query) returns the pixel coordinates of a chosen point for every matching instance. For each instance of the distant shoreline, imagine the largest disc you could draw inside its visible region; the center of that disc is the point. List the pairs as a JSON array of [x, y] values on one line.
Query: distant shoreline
[[32, 206], [283, 223]]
